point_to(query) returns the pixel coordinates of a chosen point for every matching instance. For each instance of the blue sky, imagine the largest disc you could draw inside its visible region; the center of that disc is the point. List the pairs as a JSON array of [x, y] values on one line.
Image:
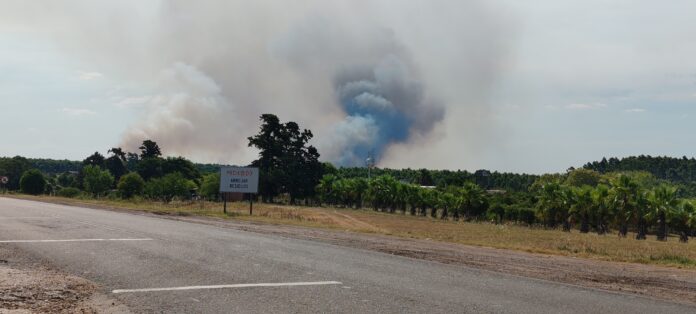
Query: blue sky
[[527, 87]]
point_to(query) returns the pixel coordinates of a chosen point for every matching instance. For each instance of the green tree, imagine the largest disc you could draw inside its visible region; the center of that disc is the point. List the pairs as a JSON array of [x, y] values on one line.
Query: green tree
[[602, 208], [32, 182], [95, 159], [325, 189], [624, 195], [116, 163], [130, 185], [425, 178], [149, 149], [446, 202], [550, 201], [663, 201], [181, 165], [169, 187], [13, 168], [210, 187], [149, 168], [683, 220], [97, 181], [66, 179], [286, 162], [583, 206], [473, 200], [581, 177]]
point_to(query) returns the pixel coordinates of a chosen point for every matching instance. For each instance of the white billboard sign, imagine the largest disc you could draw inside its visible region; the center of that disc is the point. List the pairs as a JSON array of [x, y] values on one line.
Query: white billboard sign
[[239, 180]]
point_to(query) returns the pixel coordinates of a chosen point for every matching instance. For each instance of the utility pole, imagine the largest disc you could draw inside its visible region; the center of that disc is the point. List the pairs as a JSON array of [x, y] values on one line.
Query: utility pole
[[369, 162]]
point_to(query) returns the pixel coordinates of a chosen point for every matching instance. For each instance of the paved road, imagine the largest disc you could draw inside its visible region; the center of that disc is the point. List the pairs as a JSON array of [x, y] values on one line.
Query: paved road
[[124, 251]]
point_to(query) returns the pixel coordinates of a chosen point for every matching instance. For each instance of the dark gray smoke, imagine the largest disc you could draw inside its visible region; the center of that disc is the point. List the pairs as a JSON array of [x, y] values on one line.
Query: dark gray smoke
[[386, 102], [376, 85]]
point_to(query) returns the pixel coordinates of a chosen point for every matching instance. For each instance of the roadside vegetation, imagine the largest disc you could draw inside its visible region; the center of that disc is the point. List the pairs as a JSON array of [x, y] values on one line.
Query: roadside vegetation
[[582, 212]]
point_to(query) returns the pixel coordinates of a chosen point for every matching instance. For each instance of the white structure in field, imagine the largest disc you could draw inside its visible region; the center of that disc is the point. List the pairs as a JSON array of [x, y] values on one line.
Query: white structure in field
[[239, 180]]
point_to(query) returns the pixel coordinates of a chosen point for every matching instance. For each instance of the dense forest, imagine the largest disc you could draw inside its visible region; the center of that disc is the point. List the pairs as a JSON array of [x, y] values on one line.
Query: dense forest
[[680, 171], [644, 194], [677, 170]]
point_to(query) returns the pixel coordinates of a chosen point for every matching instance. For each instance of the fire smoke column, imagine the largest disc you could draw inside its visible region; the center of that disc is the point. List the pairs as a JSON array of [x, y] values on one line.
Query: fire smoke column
[[385, 104]]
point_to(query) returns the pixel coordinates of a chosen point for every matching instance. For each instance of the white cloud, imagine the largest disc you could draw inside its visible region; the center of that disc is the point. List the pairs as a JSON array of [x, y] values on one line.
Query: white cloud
[[635, 110], [77, 112], [88, 76], [581, 106]]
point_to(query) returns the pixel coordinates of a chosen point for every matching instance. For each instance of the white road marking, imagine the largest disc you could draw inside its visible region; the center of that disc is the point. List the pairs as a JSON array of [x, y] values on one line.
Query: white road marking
[[73, 240], [244, 285], [28, 217]]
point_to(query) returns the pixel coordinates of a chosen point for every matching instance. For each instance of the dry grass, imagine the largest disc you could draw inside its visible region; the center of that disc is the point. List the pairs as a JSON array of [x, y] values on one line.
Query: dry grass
[[607, 247]]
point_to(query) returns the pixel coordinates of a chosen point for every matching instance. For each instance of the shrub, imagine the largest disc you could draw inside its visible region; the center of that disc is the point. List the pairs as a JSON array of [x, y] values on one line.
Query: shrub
[[97, 181], [130, 185], [210, 188], [168, 187], [32, 182], [69, 192]]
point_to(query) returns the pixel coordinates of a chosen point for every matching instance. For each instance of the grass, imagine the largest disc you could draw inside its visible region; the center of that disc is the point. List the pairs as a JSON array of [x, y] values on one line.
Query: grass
[[535, 240]]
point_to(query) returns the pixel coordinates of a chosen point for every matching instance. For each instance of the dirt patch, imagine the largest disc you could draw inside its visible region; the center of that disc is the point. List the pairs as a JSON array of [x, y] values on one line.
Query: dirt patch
[[29, 287]]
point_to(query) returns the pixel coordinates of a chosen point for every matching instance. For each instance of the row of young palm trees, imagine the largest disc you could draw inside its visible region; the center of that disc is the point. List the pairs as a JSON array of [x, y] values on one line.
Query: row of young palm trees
[[384, 193], [620, 204]]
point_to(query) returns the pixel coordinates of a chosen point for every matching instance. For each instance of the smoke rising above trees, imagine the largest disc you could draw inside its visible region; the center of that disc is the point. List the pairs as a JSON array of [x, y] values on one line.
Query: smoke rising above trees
[[363, 75]]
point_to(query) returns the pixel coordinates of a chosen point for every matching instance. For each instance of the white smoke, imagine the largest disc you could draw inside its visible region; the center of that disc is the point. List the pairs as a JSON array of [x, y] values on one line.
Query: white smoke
[[200, 73]]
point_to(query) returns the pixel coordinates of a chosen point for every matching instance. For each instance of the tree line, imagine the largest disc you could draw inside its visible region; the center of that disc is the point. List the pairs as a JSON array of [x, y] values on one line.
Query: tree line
[[582, 199], [600, 197]]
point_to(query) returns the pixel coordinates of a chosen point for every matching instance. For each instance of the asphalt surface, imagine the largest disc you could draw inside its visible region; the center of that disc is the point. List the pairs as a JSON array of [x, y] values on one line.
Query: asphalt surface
[[127, 251]]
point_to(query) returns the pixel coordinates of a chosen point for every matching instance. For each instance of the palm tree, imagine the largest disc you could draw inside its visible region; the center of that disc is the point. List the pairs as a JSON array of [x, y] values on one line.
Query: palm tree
[[582, 206], [401, 196], [566, 203], [382, 192], [554, 203], [472, 199], [359, 190], [549, 202], [663, 200], [413, 198], [623, 196], [325, 188], [433, 202], [600, 201], [426, 197], [640, 212], [447, 201], [683, 219]]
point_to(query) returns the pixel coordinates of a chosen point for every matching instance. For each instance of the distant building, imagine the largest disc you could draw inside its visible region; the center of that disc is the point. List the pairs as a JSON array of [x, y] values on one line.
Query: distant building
[[496, 191]]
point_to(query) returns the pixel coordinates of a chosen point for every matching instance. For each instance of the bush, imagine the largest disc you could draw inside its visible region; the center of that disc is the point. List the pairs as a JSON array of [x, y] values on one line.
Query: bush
[[130, 185], [168, 187], [97, 181], [32, 182], [69, 192], [210, 188], [496, 213]]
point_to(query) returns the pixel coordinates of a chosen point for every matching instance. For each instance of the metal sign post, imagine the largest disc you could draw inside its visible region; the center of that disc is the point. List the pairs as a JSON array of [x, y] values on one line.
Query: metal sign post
[[3, 183], [251, 203], [239, 180]]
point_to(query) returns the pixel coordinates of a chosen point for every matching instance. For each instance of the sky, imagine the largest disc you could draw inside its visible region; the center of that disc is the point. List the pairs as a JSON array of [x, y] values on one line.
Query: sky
[[513, 86]]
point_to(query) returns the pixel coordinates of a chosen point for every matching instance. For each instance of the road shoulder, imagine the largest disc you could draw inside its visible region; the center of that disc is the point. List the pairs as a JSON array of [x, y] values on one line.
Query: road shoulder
[[31, 286]]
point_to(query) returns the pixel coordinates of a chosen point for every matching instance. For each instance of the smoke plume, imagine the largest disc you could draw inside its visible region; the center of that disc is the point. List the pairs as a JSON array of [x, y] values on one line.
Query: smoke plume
[[362, 75], [387, 101]]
